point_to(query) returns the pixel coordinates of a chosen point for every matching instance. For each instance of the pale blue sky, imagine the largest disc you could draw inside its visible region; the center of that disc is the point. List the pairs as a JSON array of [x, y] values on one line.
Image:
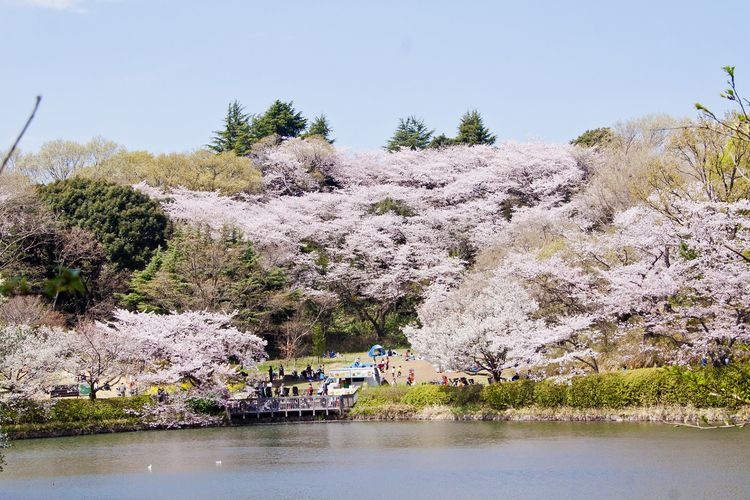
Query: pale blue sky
[[158, 74]]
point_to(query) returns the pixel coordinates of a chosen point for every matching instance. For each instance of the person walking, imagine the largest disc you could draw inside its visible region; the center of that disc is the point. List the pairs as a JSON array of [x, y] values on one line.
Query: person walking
[[393, 375]]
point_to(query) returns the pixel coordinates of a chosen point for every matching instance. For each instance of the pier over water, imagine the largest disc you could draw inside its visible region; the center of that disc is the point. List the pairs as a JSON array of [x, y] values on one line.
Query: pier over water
[[291, 406]]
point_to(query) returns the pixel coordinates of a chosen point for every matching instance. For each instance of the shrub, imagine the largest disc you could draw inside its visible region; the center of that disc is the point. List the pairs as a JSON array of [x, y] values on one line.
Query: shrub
[[549, 394], [382, 394], [516, 394], [383, 402], [711, 387], [21, 411], [71, 410], [464, 395], [205, 405], [427, 395], [86, 410]]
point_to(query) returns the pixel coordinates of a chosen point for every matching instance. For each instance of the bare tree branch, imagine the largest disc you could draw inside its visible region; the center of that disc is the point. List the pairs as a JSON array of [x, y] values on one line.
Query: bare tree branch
[[23, 131]]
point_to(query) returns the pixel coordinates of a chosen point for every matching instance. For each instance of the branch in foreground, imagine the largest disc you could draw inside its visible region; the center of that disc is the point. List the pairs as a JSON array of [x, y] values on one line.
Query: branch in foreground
[[23, 131], [704, 427]]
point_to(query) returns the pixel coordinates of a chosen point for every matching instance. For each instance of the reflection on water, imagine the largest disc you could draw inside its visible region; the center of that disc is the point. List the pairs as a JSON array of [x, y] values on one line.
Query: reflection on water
[[384, 459]]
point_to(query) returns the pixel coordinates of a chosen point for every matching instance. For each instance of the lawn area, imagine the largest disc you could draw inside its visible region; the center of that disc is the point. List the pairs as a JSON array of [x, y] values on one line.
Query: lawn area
[[424, 371]]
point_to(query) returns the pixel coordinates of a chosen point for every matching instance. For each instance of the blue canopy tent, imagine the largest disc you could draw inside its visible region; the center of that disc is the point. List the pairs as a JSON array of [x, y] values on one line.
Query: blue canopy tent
[[376, 350]]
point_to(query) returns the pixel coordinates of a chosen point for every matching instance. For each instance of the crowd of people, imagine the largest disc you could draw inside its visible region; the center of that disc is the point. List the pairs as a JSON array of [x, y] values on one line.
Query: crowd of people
[[308, 374], [273, 385]]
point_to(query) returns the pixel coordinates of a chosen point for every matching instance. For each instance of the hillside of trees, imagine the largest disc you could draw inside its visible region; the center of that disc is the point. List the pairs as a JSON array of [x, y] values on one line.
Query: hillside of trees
[[627, 247]]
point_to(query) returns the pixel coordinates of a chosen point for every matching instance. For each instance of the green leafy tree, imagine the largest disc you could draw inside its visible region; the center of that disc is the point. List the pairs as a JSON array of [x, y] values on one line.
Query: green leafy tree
[[128, 224], [411, 133], [40, 255], [200, 170], [441, 141], [594, 138], [472, 131], [202, 269], [236, 135], [279, 119], [321, 128], [735, 125]]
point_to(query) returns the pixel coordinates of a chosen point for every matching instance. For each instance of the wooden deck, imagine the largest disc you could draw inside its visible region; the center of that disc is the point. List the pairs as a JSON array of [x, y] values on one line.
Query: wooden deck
[[292, 406]]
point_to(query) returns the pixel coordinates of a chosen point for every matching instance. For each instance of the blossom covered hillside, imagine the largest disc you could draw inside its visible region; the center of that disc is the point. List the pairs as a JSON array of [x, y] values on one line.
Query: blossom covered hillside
[[370, 231], [647, 265]]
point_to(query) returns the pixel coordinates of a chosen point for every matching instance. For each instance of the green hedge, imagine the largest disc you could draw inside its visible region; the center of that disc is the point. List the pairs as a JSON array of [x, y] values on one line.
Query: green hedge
[[726, 387], [515, 394], [71, 410], [427, 395], [421, 396], [702, 388]]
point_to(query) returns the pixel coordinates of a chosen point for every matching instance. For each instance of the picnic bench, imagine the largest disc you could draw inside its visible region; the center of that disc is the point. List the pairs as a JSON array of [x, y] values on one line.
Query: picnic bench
[[64, 391]]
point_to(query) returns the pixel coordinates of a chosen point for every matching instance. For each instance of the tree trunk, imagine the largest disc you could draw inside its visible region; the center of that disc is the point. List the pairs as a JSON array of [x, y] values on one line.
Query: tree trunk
[[497, 375]]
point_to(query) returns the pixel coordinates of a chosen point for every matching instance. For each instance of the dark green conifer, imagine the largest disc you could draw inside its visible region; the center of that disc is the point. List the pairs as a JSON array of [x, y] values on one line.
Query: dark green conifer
[[236, 134], [320, 127], [411, 133], [472, 131], [281, 119]]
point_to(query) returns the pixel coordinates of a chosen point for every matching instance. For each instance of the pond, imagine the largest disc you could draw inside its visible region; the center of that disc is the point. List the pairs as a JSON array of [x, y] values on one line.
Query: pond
[[387, 460]]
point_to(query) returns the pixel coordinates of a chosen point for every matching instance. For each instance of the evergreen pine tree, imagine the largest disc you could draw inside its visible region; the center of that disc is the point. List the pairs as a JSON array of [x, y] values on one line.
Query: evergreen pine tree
[[594, 138], [411, 133], [472, 131], [280, 119], [236, 134], [320, 127], [441, 141]]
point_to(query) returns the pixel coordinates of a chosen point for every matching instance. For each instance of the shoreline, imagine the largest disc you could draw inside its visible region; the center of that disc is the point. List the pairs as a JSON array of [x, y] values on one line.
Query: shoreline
[[658, 414], [669, 415]]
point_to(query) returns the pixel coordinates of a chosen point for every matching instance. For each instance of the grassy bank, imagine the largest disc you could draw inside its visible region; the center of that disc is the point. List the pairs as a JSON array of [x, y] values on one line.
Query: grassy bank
[[71, 417], [28, 418], [672, 394], [653, 394]]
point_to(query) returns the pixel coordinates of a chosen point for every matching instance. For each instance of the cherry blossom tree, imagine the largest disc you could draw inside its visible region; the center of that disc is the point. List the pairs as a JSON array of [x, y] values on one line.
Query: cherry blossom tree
[[569, 304], [677, 279], [487, 323], [101, 355], [684, 275], [201, 348], [30, 359]]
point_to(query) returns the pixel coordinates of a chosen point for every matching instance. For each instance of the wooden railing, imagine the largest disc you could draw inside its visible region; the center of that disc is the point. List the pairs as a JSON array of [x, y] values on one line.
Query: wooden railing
[[298, 404]]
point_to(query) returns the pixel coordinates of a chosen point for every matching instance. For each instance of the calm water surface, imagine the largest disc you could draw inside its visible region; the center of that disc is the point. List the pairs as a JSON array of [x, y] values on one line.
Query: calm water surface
[[387, 460]]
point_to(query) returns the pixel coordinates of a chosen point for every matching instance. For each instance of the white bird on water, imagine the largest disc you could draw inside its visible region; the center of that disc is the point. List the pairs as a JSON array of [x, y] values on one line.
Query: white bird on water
[[149, 467], [218, 462]]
